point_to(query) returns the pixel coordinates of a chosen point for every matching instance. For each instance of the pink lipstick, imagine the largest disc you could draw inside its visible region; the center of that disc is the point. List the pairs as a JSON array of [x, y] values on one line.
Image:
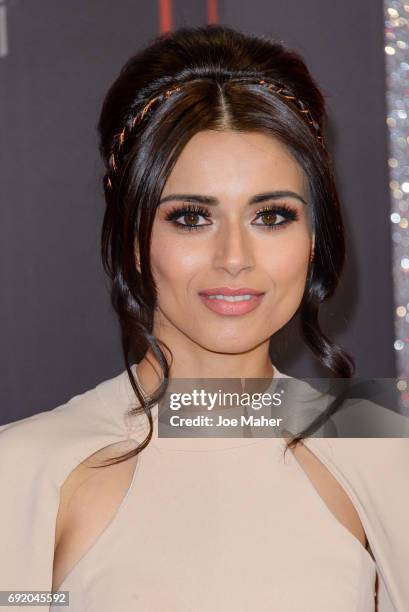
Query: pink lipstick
[[231, 301]]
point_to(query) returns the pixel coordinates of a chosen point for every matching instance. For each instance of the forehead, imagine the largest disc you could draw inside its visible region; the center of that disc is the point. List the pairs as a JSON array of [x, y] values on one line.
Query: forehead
[[235, 163]]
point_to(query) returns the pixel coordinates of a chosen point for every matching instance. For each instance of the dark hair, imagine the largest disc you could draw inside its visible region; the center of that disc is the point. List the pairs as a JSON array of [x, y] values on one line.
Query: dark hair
[[211, 65]]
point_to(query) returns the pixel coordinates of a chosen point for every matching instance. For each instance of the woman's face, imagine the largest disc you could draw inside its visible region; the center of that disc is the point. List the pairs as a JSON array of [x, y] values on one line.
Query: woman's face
[[226, 177]]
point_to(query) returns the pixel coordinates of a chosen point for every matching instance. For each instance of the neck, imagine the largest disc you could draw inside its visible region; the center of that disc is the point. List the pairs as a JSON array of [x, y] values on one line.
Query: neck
[[242, 367]]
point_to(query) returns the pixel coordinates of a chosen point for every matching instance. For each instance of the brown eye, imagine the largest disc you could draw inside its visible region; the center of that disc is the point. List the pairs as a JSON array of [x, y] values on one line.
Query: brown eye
[[190, 212], [190, 218], [275, 217], [270, 218]]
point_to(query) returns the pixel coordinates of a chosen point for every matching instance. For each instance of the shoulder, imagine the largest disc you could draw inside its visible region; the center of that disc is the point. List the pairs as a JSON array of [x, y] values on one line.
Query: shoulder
[[39, 426], [362, 439], [89, 498], [377, 468], [37, 456], [93, 486], [341, 410], [357, 452], [62, 437]]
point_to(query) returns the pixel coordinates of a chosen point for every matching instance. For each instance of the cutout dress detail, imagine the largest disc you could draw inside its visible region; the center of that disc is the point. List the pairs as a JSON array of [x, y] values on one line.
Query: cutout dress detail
[[206, 524]]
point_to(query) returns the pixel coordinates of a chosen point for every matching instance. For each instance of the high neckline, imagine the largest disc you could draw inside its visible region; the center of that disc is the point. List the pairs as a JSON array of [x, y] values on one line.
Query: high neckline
[[138, 426]]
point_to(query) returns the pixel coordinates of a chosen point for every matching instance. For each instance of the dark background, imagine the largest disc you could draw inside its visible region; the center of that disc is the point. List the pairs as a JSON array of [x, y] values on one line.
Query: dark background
[[59, 334]]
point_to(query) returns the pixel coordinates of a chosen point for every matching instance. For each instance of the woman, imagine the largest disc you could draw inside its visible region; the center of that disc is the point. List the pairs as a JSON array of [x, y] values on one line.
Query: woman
[[222, 223]]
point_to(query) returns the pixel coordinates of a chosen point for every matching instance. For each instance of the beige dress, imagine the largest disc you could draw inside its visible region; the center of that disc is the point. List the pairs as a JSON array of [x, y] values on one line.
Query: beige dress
[[209, 524]]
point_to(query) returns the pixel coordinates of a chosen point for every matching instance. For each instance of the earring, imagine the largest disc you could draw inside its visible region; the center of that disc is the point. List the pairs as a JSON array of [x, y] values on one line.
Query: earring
[[312, 256]]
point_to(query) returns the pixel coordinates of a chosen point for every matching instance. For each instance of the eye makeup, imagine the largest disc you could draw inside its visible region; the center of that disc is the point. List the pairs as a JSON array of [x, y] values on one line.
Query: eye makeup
[[268, 213]]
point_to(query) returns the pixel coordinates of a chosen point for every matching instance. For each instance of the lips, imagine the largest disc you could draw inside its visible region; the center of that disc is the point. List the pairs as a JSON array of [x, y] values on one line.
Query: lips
[[229, 306], [230, 291]]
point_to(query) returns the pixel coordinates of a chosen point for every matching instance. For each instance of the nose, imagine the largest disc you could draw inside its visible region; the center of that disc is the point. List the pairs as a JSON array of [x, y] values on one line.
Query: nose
[[233, 250]]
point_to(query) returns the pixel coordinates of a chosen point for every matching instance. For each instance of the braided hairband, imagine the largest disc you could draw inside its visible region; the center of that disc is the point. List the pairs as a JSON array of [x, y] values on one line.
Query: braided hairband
[[277, 89]]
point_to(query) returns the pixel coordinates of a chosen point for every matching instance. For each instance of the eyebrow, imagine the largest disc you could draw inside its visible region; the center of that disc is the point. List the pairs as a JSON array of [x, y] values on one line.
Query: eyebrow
[[212, 201]]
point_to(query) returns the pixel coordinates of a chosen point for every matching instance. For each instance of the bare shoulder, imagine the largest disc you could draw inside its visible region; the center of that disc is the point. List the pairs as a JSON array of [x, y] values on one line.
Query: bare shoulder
[[331, 492], [89, 498]]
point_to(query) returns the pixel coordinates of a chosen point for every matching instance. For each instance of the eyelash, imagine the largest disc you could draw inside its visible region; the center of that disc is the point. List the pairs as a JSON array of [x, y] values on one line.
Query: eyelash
[[289, 213]]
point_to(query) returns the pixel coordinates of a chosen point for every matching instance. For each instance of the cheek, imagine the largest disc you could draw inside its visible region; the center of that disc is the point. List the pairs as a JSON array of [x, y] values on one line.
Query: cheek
[[174, 265], [288, 264]]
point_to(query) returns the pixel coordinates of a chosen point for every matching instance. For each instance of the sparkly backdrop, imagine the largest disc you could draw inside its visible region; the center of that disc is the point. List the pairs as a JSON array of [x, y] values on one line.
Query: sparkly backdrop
[[397, 96]]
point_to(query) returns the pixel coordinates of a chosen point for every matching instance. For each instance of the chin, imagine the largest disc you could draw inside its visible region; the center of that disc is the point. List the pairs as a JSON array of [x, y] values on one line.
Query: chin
[[230, 345]]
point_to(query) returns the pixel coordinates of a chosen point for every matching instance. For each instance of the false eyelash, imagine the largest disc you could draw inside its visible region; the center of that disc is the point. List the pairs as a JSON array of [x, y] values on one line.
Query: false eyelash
[[280, 209], [184, 210], [289, 213]]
